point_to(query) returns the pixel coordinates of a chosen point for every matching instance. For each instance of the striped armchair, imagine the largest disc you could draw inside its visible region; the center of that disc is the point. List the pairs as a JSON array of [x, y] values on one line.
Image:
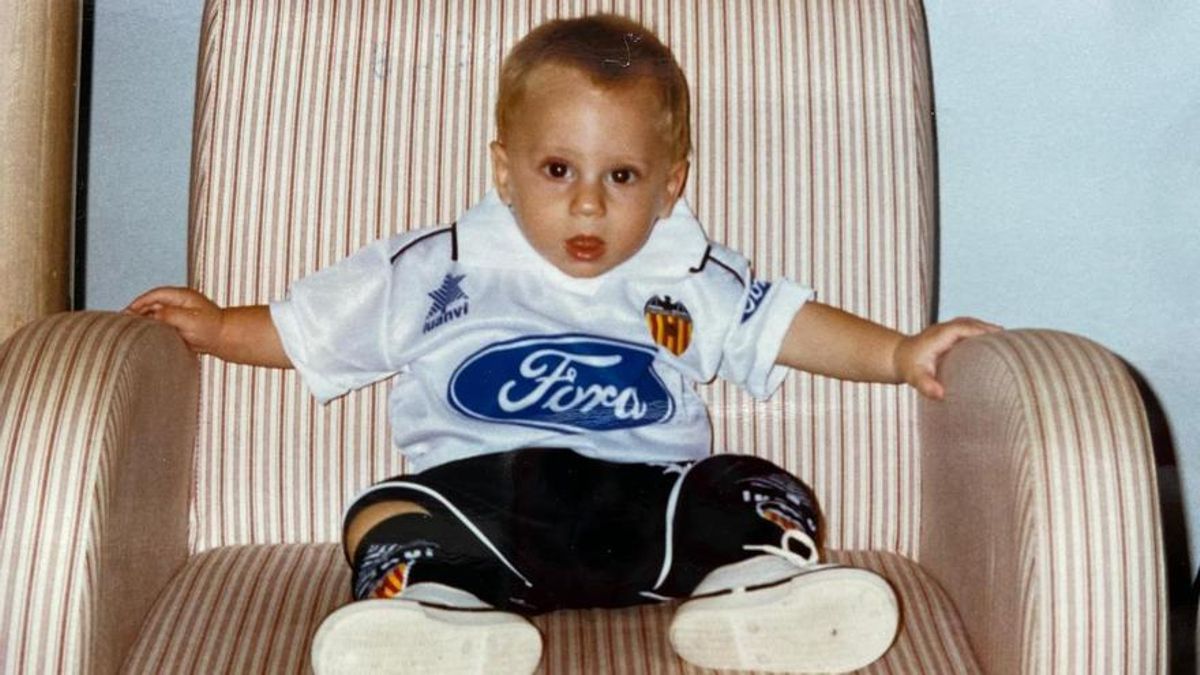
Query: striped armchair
[[160, 513]]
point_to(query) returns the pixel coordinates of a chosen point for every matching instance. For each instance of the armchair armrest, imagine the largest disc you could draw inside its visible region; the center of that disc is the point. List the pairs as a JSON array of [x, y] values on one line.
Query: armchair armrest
[[1040, 508], [97, 424]]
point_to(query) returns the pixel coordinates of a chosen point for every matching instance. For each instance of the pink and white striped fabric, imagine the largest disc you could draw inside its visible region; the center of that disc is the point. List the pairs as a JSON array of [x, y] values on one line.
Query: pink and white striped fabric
[[1040, 509], [96, 435], [1029, 497]]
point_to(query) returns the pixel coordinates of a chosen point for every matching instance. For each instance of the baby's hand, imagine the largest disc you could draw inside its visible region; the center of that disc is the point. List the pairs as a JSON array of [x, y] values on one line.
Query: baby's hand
[[198, 319], [917, 356]]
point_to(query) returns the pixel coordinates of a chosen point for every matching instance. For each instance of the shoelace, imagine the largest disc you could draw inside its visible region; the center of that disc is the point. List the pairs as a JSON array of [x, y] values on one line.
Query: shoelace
[[786, 553]]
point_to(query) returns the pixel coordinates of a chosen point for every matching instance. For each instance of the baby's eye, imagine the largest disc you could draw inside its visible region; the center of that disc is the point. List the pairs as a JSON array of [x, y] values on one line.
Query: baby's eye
[[557, 170], [622, 176]]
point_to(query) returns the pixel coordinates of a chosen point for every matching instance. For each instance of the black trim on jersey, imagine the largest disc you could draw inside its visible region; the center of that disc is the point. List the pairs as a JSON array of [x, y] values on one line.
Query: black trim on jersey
[[708, 256], [453, 230], [703, 261]]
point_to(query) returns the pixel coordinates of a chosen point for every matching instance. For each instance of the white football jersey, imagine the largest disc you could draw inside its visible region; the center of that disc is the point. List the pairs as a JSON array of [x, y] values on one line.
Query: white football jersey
[[493, 348]]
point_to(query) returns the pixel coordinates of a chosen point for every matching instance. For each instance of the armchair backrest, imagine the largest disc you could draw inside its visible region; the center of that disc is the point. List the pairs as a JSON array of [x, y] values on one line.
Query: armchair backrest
[[322, 126]]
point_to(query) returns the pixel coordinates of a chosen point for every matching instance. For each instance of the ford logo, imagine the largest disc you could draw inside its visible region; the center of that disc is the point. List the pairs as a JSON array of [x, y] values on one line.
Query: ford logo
[[568, 383]]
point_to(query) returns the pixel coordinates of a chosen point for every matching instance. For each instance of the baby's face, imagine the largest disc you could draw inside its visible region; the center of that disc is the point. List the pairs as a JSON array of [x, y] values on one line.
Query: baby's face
[[587, 171]]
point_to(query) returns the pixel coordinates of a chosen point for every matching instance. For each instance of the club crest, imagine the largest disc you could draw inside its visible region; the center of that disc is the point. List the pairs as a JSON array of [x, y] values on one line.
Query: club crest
[[670, 324]]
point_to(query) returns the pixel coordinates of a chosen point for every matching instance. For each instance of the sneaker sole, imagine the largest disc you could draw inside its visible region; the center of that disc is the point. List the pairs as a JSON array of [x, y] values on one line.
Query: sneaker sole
[[397, 636], [834, 619]]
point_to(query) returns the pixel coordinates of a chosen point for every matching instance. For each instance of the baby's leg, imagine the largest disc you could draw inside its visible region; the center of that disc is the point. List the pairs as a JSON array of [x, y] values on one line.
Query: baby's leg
[[747, 549], [420, 568], [728, 503], [530, 531], [398, 543]]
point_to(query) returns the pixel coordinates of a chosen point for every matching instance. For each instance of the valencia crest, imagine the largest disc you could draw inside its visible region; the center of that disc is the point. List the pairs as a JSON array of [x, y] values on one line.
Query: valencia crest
[[670, 324]]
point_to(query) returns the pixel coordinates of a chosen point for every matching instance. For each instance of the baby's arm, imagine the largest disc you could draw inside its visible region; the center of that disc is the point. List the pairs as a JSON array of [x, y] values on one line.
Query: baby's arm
[[238, 334], [828, 341]]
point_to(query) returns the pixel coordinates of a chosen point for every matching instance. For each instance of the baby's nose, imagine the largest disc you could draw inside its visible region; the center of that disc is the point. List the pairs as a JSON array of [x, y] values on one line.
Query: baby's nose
[[588, 199]]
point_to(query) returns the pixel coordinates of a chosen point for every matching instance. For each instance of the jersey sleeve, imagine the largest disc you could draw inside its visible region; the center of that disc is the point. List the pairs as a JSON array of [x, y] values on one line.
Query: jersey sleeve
[[756, 335], [342, 327]]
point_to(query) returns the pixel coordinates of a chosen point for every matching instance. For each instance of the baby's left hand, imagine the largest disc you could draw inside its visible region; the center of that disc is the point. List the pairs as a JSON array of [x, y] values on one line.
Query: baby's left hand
[[917, 356]]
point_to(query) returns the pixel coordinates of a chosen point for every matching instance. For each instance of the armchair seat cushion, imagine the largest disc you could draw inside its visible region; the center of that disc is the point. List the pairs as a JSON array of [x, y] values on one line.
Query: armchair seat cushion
[[254, 609]]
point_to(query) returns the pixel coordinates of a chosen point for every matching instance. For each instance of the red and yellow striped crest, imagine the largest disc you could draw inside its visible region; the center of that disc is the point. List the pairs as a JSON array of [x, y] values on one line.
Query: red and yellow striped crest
[[393, 584], [670, 324]]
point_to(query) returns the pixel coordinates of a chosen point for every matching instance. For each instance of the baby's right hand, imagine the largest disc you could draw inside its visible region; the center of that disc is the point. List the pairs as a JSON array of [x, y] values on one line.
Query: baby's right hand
[[198, 319]]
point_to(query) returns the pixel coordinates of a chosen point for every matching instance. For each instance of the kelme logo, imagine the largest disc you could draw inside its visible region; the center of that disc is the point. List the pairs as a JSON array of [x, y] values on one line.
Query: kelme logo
[[569, 383]]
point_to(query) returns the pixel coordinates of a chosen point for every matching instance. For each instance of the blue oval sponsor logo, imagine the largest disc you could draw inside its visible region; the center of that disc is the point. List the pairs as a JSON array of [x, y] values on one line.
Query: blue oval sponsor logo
[[569, 383]]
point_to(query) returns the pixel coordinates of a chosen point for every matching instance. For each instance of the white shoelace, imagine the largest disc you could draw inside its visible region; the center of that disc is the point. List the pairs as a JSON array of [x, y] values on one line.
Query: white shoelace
[[783, 551]]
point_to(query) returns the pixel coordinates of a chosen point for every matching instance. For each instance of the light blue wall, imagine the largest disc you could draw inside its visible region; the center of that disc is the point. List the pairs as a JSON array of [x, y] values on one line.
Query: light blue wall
[[143, 79], [1069, 159], [1069, 148]]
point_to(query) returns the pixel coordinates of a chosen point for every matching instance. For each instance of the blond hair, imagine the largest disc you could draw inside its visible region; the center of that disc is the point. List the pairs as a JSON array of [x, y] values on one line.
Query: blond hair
[[613, 51]]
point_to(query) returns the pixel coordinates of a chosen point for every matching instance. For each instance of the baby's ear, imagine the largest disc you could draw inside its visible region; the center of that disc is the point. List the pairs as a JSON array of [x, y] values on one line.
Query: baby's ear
[[500, 170], [676, 180]]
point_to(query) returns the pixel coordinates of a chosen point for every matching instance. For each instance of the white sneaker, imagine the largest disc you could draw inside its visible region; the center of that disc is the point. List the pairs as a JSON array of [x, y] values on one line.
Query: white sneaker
[[784, 613], [409, 634]]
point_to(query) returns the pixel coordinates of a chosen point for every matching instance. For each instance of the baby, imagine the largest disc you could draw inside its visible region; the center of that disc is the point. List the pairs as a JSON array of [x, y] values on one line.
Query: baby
[[547, 346]]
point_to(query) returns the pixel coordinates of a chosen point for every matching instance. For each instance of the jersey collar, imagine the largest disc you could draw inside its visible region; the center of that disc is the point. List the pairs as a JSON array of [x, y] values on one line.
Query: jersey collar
[[488, 236]]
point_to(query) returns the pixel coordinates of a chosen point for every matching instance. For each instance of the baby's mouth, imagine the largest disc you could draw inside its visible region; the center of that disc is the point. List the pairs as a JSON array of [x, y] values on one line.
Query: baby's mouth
[[584, 247]]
